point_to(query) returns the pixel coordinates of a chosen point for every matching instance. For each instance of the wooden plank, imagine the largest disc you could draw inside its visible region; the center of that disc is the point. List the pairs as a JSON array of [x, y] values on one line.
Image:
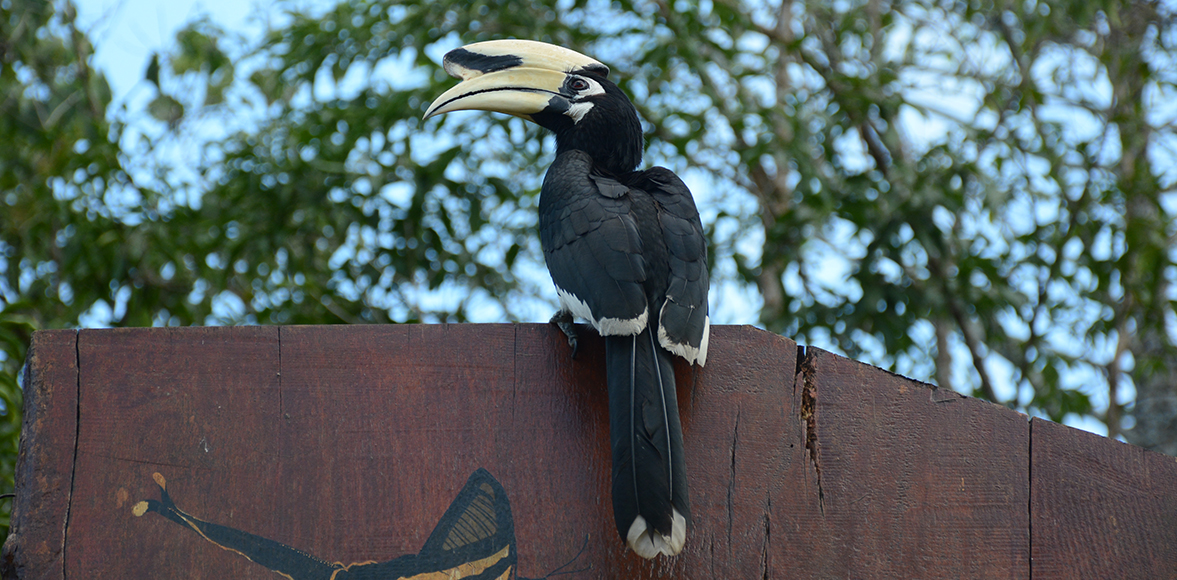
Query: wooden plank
[[398, 416], [35, 546], [383, 424], [1101, 508], [350, 443], [905, 480], [198, 405], [737, 424]]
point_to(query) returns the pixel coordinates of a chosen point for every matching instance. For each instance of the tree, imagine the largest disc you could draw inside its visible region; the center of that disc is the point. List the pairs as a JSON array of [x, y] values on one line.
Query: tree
[[975, 193], [56, 166], [1022, 236]]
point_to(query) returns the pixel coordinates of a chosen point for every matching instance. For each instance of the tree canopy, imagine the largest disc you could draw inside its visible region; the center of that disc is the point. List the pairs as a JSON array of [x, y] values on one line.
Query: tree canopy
[[975, 193]]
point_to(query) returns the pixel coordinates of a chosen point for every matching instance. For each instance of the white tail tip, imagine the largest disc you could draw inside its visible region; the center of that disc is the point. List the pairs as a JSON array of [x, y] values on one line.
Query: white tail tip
[[648, 543]]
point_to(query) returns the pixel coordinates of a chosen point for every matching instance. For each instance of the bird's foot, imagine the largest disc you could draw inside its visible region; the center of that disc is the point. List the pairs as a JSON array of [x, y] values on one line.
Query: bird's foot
[[564, 320]]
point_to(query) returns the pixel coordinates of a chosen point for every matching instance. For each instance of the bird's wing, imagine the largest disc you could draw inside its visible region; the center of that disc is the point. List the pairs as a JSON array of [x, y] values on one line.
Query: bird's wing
[[592, 247], [684, 324]]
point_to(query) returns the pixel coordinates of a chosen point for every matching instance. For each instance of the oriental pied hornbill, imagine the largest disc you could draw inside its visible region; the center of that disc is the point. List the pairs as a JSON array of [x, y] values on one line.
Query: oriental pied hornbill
[[626, 251]]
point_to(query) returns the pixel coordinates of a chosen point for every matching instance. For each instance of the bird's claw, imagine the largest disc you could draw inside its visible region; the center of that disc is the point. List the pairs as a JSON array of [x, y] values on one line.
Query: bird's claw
[[564, 320]]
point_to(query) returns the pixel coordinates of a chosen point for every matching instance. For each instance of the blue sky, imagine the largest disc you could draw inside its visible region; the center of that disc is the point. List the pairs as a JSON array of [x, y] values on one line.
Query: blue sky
[[127, 32]]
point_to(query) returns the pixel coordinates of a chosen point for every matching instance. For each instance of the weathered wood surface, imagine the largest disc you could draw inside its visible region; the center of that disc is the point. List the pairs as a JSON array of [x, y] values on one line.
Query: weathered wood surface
[[44, 469], [349, 443], [915, 482], [1101, 508]]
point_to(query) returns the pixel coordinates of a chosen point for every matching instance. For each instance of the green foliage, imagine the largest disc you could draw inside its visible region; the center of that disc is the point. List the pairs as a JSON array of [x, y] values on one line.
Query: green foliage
[[55, 164], [965, 192]]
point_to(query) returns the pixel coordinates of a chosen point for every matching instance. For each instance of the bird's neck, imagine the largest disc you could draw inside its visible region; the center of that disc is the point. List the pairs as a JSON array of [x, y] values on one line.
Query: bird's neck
[[608, 161], [613, 141]]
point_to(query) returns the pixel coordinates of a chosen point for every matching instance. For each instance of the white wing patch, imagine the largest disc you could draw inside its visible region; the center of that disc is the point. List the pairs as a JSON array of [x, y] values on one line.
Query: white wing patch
[[692, 354], [606, 326]]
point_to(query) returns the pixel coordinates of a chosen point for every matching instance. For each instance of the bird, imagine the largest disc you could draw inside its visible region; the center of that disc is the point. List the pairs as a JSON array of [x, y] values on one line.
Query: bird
[[626, 251]]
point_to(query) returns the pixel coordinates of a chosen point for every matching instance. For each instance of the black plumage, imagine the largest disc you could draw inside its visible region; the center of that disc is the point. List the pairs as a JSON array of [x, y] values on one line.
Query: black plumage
[[626, 251]]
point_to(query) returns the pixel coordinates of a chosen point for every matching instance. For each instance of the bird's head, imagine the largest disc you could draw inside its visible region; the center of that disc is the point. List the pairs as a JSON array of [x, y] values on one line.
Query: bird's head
[[559, 89]]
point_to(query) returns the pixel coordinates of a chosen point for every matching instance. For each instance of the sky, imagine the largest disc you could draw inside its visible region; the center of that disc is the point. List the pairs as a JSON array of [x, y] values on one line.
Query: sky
[[127, 32]]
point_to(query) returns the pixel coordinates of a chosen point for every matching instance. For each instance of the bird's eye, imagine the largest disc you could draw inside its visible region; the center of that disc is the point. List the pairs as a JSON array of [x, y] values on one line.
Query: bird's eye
[[578, 84]]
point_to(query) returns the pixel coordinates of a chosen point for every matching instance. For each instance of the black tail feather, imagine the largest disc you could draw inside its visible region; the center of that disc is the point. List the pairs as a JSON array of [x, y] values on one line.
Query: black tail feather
[[649, 473]]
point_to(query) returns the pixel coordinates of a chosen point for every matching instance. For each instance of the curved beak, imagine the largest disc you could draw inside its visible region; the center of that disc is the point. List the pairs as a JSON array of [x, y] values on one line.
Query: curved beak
[[518, 77], [517, 91]]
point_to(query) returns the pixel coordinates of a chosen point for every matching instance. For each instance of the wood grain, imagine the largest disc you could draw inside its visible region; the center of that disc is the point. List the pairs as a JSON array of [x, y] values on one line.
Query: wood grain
[[35, 546], [906, 481], [738, 428], [1102, 508], [350, 442], [199, 406]]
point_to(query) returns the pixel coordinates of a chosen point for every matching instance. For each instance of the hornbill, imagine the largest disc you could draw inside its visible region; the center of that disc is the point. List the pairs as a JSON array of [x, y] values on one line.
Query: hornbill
[[626, 251]]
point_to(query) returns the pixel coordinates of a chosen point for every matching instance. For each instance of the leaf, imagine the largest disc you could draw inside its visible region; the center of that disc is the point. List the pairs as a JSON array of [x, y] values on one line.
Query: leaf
[[165, 108], [152, 74]]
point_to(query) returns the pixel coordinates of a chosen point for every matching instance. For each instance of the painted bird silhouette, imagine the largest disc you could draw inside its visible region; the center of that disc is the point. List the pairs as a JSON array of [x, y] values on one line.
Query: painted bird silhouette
[[474, 540]]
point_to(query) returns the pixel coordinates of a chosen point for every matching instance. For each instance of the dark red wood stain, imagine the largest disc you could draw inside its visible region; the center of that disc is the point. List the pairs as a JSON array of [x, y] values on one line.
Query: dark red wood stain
[[44, 471], [1101, 508], [350, 442], [915, 482]]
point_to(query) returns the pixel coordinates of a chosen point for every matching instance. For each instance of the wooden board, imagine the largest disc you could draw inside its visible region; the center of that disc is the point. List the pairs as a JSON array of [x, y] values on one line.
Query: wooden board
[[44, 471], [1101, 508], [906, 481], [353, 443], [199, 406], [349, 443]]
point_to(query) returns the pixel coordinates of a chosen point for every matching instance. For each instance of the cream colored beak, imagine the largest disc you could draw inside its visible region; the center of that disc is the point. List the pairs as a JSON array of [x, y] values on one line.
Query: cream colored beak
[[517, 77]]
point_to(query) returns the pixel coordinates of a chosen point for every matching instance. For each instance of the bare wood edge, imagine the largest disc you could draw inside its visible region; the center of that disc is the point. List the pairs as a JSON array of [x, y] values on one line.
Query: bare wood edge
[[44, 478]]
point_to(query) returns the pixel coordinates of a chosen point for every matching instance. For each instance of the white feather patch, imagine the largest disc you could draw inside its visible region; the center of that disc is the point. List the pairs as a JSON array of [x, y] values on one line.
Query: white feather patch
[[578, 110], [581, 107], [648, 543], [692, 354], [606, 326], [702, 357]]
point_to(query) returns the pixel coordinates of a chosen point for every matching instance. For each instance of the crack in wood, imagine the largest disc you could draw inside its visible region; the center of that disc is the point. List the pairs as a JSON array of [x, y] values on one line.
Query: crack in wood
[[1030, 498], [806, 369], [767, 540], [732, 481], [711, 550], [69, 500]]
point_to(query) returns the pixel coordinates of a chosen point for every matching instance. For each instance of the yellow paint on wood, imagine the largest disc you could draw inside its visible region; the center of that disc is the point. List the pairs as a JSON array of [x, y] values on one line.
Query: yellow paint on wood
[[465, 570]]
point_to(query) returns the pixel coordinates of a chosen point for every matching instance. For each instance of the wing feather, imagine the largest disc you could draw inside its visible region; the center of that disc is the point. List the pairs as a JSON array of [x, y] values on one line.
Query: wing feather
[[683, 323], [592, 246]]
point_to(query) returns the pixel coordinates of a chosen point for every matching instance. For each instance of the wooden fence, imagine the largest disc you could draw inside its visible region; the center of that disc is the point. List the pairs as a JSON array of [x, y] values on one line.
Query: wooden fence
[[402, 451]]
